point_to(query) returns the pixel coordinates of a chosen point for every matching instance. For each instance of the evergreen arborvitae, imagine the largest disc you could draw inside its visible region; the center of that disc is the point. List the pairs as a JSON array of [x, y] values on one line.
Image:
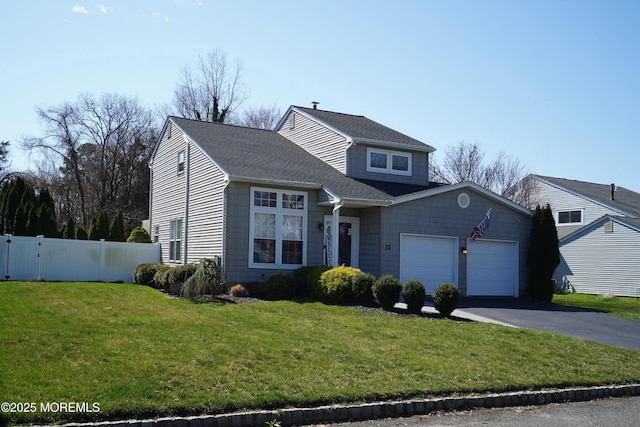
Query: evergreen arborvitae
[[81, 234], [31, 228], [103, 225], [20, 222], [47, 226], [69, 229], [544, 254], [93, 229], [116, 231]]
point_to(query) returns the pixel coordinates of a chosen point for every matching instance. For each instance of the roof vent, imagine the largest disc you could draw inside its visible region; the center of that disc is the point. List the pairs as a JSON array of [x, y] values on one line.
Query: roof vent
[[315, 104], [613, 190]]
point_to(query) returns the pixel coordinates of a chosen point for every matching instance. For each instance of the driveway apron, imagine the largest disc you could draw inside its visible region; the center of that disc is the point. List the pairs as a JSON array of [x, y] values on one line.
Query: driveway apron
[[558, 319]]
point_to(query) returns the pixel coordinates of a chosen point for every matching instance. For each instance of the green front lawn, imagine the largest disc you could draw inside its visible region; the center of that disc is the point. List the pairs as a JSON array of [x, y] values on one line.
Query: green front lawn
[[139, 354], [628, 308]]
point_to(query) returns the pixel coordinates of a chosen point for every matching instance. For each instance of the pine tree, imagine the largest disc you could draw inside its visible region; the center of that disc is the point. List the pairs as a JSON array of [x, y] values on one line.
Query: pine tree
[[93, 229], [116, 231]]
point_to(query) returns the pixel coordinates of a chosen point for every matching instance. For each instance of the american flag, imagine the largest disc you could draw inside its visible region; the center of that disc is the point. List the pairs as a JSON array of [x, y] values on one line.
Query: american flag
[[479, 230]]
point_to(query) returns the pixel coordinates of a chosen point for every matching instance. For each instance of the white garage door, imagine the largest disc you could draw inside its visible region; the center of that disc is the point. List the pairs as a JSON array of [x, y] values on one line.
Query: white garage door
[[430, 259], [492, 268]]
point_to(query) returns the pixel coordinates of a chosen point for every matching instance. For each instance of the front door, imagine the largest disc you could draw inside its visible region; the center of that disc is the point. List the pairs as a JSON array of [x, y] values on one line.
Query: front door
[[348, 241]]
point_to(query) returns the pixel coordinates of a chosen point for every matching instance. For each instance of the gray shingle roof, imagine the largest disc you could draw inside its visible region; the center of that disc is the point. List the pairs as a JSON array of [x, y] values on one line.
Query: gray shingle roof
[[246, 153], [626, 201], [360, 127]]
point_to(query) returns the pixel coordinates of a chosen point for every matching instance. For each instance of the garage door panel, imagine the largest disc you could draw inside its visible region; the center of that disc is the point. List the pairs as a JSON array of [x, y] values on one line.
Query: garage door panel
[[492, 268], [430, 259]]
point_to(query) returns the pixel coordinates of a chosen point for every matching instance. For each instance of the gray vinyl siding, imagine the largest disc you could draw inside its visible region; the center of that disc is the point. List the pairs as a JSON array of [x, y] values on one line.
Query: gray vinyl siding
[[206, 206], [561, 200], [357, 166], [370, 240], [440, 215], [322, 142], [598, 262], [237, 242], [167, 187]]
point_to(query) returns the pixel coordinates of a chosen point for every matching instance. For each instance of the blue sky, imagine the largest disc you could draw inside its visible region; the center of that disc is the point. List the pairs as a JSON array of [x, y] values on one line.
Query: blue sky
[[554, 83]]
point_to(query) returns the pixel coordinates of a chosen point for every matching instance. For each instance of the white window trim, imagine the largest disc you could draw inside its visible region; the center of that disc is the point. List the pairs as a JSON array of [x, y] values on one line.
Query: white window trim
[[279, 211], [565, 224], [176, 247], [389, 169]]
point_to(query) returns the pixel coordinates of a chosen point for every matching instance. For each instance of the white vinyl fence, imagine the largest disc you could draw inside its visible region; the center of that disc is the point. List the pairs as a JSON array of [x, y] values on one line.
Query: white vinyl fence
[[40, 258]]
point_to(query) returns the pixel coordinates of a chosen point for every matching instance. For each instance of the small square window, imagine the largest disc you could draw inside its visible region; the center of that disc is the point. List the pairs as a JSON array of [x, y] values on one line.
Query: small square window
[[378, 160]]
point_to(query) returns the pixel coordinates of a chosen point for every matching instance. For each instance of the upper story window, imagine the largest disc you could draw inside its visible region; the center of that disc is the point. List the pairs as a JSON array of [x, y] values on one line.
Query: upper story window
[[570, 217], [387, 161], [180, 161], [277, 230]]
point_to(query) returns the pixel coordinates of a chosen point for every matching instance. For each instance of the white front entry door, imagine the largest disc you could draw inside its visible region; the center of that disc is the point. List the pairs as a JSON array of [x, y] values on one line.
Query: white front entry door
[[348, 241]]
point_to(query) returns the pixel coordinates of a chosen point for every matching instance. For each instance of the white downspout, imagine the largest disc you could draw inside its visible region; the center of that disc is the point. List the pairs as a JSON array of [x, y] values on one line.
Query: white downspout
[[335, 232], [186, 199]]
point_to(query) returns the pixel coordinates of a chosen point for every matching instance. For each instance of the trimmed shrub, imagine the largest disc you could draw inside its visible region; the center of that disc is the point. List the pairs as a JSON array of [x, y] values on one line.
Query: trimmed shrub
[[414, 295], [362, 287], [139, 235], [279, 286], [160, 278], [336, 285], [301, 280], [313, 281], [238, 291], [206, 279], [387, 290], [445, 298], [144, 273], [177, 276]]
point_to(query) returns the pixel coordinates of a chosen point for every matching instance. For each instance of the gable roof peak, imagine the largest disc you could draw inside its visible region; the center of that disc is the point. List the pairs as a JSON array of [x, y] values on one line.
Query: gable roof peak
[[360, 129]]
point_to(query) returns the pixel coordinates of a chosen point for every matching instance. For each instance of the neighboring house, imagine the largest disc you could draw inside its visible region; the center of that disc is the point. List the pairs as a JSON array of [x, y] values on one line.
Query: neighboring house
[[599, 230], [268, 201]]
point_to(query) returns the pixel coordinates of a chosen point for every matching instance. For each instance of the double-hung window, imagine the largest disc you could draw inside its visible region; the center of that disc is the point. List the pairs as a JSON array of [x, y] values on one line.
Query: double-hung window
[[175, 239], [387, 161], [278, 228]]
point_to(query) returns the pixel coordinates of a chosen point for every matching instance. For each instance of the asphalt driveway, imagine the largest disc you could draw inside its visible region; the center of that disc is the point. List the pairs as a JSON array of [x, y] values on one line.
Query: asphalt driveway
[[554, 318]]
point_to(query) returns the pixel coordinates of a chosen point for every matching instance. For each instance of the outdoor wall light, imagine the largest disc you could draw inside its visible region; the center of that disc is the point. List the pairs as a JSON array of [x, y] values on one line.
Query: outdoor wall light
[[463, 250], [321, 226]]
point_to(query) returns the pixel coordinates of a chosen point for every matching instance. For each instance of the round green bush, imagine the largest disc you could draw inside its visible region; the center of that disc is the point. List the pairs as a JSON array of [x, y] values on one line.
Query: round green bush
[[144, 273], [178, 275], [139, 235], [362, 288], [387, 290], [313, 281], [414, 295], [206, 279], [279, 286], [445, 298], [336, 285]]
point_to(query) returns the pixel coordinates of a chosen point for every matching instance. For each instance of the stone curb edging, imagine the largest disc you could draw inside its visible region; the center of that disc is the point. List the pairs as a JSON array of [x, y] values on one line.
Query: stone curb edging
[[377, 410]]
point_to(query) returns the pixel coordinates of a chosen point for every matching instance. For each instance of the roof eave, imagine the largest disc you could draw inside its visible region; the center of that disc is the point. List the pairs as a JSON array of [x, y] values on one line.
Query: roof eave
[[391, 144]]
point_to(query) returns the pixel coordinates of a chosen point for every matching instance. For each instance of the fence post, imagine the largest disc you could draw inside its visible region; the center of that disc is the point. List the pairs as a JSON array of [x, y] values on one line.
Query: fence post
[[40, 237], [7, 275]]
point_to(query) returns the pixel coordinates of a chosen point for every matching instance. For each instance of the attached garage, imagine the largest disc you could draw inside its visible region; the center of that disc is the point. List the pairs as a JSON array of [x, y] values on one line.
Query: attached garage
[[492, 268], [430, 259]]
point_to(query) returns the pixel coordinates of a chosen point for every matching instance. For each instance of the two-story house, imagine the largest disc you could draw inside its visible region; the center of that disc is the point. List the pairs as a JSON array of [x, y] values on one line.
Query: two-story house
[[599, 231], [327, 188]]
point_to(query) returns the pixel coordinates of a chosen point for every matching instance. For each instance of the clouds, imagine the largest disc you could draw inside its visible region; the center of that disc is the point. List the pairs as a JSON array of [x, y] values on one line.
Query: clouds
[[83, 10]]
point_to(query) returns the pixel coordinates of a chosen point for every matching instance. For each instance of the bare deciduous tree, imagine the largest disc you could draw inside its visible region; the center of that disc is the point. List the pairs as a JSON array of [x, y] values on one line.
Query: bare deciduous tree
[[100, 150], [506, 175], [212, 91], [260, 117]]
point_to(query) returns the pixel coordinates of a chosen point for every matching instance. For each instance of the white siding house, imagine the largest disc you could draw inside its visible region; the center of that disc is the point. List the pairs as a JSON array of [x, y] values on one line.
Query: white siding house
[[599, 230]]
